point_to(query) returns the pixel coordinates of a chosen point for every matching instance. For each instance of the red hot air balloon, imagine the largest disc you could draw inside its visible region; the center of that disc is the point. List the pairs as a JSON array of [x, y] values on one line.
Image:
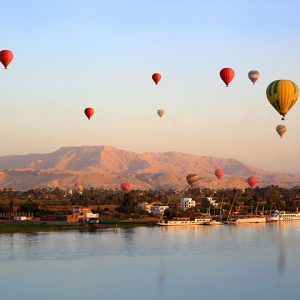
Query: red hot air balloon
[[6, 56], [252, 181], [125, 186], [89, 112], [156, 78], [227, 74], [219, 173]]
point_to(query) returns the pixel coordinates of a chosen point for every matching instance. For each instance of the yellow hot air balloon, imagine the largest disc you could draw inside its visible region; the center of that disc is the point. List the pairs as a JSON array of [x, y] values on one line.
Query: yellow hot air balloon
[[282, 94]]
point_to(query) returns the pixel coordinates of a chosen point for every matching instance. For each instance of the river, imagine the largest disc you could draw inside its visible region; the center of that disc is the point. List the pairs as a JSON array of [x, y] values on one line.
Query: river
[[259, 261]]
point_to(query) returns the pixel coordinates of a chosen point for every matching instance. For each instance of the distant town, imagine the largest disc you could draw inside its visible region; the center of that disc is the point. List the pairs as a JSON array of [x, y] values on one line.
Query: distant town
[[76, 206]]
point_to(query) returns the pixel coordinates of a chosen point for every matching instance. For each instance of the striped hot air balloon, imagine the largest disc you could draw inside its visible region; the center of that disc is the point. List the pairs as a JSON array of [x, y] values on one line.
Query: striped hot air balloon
[[253, 76], [192, 179], [281, 129], [282, 94]]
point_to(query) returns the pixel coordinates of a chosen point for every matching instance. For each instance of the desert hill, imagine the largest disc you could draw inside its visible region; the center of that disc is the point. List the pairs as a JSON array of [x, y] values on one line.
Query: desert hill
[[107, 167]]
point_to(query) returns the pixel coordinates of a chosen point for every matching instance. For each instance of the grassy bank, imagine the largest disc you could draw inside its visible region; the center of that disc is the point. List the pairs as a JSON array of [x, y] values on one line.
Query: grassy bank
[[120, 222], [14, 228]]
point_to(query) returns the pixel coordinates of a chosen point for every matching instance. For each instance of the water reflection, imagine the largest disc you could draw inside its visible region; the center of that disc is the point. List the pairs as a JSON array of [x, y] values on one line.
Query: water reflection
[[167, 263]]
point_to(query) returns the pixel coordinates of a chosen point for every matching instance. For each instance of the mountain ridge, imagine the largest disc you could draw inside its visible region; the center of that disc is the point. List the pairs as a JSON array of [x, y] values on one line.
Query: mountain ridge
[[107, 167]]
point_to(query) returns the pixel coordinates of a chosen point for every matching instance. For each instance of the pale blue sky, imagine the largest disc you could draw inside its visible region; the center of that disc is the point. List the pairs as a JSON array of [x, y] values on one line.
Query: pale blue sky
[[73, 54]]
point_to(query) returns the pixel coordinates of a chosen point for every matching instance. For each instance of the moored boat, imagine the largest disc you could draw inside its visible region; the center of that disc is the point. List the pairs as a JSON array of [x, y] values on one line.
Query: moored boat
[[284, 216], [185, 222], [93, 223], [248, 219]]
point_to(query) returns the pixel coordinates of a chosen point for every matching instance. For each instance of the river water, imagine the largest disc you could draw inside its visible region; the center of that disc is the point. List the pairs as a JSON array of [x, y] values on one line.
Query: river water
[[259, 261]]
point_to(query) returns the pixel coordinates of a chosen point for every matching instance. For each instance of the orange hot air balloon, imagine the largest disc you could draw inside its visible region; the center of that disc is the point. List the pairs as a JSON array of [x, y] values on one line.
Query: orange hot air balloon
[[156, 78], [192, 179], [89, 112], [227, 74], [252, 181], [78, 187], [125, 186], [219, 173], [6, 56]]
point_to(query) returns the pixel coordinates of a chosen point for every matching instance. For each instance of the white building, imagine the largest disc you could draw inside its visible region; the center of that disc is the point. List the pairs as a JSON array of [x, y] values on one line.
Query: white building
[[186, 203], [89, 215], [155, 209]]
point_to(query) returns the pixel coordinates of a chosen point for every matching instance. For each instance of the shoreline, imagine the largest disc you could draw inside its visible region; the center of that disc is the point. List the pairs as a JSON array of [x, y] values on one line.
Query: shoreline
[[32, 228]]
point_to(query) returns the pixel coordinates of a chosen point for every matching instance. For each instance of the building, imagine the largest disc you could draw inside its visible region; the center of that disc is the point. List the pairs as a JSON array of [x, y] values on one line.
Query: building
[[22, 218], [60, 218], [158, 209], [89, 215], [186, 203], [148, 206]]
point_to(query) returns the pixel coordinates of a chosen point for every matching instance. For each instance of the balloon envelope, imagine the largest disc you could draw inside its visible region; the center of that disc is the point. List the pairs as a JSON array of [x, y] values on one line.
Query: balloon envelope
[[89, 112], [282, 95], [192, 179], [156, 77], [125, 186], [160, 112], [6, 56], [252, 181], [281, 129], [227, 74], [78, 187], [253, 76], [219, 173]]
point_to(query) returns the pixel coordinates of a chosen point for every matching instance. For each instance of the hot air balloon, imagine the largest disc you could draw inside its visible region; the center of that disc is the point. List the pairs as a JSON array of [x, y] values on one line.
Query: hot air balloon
[[252, 181], [219, 173], [227, 74], [6, 56], [192, 179], [282, 94], [281, 129], [78, 187], [160, 112], [156, 78], [253, 76], [125, 186], [89, 112]]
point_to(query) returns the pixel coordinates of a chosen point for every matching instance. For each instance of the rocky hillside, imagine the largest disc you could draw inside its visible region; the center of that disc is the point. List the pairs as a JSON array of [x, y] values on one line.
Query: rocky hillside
[[103, 166]]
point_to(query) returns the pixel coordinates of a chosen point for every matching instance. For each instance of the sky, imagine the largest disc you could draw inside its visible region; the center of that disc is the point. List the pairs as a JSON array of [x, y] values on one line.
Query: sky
[[71, 54]]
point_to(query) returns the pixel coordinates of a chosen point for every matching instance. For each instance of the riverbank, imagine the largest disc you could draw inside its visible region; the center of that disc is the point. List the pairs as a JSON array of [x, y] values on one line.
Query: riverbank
[[44, 227]]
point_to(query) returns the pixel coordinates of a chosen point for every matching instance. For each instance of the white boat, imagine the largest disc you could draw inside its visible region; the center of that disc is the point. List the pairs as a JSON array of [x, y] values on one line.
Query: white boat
[[249, 219], [216, 222], [185, 222], [284, 216]]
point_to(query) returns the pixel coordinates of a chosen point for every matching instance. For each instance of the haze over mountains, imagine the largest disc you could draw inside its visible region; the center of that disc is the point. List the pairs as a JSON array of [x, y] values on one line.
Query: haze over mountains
[[107, 167]]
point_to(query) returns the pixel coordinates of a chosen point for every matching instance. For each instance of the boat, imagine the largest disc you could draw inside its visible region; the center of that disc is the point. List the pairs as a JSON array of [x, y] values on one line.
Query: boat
[[248, 219], [185, 222], [216, 222], [93, 223], [284, 216]]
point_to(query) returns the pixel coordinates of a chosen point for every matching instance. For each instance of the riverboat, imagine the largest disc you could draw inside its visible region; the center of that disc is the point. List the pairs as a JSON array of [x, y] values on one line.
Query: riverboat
[[248, 219], [284, 216], [185, 222], [216, 222], [93, 223]]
